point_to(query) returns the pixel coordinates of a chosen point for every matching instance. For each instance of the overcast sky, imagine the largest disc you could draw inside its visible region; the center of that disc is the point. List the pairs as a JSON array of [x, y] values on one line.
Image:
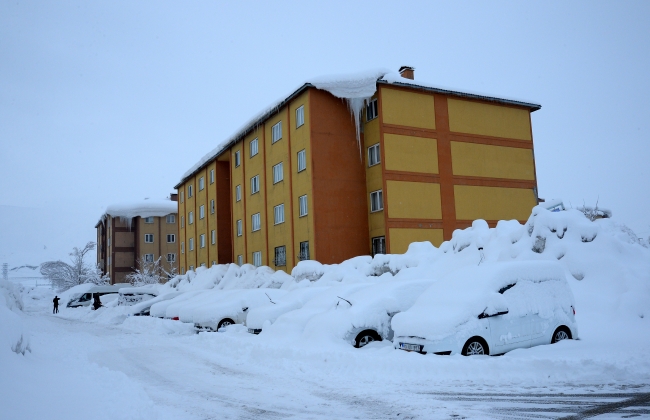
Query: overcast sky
[[102, 102]]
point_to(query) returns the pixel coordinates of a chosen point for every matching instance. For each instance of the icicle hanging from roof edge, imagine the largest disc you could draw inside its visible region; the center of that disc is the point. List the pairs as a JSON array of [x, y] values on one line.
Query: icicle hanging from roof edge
[[355, 105]]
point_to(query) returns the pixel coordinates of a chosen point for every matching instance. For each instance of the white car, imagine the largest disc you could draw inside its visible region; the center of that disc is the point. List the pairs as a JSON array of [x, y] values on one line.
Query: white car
[[490, 309], [160, 309], [364, 315]]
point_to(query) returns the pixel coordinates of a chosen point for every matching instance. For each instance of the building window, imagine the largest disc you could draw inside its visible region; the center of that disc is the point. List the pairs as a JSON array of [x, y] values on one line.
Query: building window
[[257, 258], [302, 200], [171, 238], [148, 258], [278, 173], [182, 221], [376, 201], [182, 247], [213, 263], [237, 159], [189, 191], [190, 218], [300, 116], [201, 212], [254, 147], [240, 260], [211, 176], [191, 244], [280, 256], [148, 238], [182, 270], [256, 222], [278, 214], [109, 241], [378, 245], [201, 184], [212, 207], [202, 240], [109, 261], [239, 227], [148, 219], [171, 258], [238, 193], [182, 196], [373, 155], [371, 110], [255, 184], [171, 218], [302, 160], [213, 236], [304, 251], [276, 132], [191, 268]]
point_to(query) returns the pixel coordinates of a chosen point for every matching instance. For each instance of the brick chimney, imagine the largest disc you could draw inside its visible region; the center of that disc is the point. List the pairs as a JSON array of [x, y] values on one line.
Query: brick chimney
[[407, 72], [173, 197]]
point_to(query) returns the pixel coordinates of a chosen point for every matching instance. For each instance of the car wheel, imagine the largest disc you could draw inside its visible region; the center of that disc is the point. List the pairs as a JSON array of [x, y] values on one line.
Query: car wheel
[[475, 346], [365, 337], [224, 323], [562, 333]]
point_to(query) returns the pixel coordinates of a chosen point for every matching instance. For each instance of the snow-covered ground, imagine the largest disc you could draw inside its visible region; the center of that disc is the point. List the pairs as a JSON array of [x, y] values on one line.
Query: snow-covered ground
[[103, 364]]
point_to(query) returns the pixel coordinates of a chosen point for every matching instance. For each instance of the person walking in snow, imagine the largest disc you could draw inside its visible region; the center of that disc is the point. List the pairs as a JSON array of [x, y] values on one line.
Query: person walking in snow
[[56, 304]]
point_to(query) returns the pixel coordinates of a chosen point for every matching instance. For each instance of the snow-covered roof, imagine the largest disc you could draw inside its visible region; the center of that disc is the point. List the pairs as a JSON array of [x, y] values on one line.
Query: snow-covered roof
[[356, 88], [143, 208]]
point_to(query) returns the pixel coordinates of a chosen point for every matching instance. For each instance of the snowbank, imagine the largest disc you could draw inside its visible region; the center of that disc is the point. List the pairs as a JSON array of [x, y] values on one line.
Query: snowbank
[[14, 339]]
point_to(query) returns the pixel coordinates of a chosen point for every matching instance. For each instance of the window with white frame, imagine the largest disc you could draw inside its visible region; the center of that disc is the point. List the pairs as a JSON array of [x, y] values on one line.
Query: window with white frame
[[378, 245], [376, 201], [148, 258], [212, 207], [213, 263], [240, 260], [148, 219], [237, 159], [171, 238], [278, 173], [254, 147], [257, 258], [302, 201], [190, 218], [201, 184], [238, 193], [239, 227], [191, 244], [182, 247], [278, 214], [304, 251], [171, 257], [213, 236], [280, 256], [182, 197], [373, 155], [276, 132], [371, 110], [189, 191], [211, 176], [201, 211], [255, 184], [300, 116], [171, 218], [182, 221], [202, 240], [191, 268], [148, 238], [302, 160], [256, 222]]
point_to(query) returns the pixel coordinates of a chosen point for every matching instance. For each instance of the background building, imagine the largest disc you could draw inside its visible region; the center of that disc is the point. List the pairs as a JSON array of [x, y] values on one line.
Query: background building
[[127, 232], [307, 181]]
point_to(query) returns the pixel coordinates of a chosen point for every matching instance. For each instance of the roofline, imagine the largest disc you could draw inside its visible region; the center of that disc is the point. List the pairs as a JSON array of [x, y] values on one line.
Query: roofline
[[531, 106], [276, 109]]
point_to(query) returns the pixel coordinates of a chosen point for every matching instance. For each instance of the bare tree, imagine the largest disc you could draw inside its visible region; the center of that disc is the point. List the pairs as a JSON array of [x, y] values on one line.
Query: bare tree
[[147, 272], [63, 275], [96, 277]]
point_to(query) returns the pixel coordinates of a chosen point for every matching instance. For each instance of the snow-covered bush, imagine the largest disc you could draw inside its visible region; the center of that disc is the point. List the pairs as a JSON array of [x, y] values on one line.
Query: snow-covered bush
[[147, 272]]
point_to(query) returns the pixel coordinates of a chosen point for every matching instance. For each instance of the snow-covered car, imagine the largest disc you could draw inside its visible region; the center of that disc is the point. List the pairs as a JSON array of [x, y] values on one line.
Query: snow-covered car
[[229, 307], [132, 295], [143, 308], [490, 309], [293, 300], [364, 315], [160, 309], [86, 298]]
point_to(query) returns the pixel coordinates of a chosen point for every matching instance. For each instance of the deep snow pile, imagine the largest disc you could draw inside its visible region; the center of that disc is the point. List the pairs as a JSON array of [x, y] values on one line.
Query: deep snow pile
[[13, 337]]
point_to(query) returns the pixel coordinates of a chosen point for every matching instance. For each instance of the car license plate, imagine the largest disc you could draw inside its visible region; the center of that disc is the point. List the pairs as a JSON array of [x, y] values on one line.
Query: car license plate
[[410, 347]]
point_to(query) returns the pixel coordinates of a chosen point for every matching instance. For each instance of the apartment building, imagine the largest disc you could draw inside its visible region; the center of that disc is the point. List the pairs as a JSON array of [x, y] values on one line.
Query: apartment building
[[132, 231], [308, 180]]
